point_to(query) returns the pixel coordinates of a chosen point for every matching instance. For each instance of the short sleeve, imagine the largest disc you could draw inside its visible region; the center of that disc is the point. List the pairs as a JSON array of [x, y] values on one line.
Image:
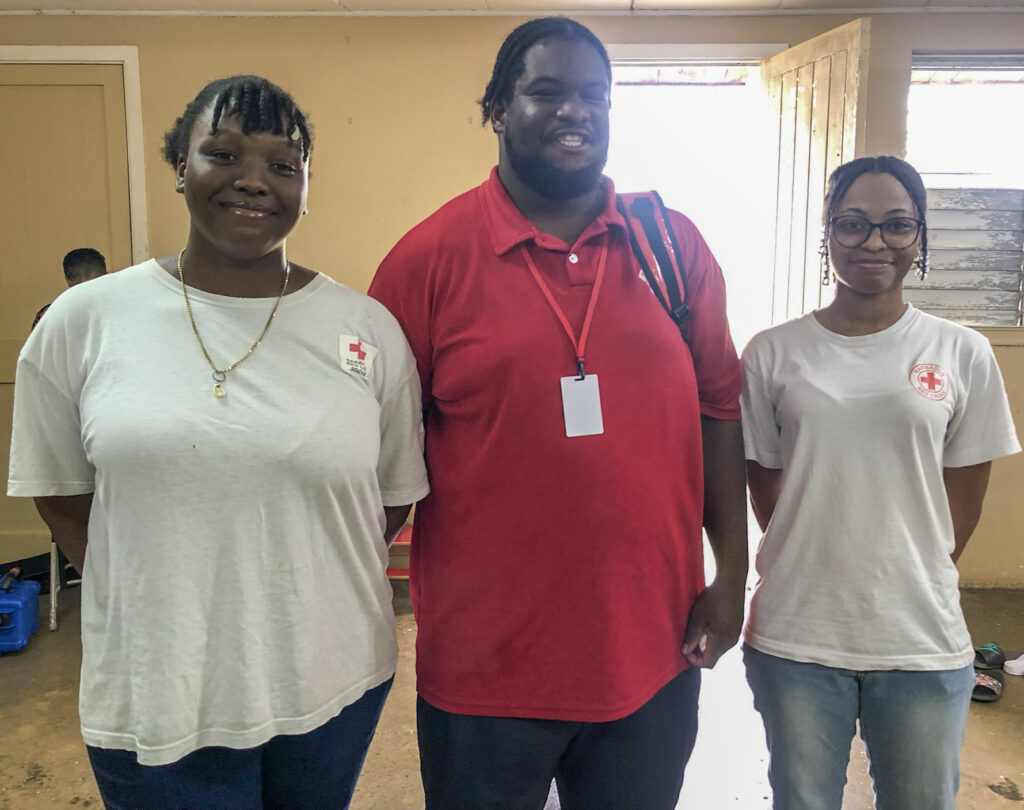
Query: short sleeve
[[760, 427], [982, 427], [47, 456], [715, 362], [401, 471]]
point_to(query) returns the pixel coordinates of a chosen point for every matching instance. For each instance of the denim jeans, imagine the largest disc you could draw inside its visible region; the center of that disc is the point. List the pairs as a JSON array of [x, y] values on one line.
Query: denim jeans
[[912, 724], [308, 771]]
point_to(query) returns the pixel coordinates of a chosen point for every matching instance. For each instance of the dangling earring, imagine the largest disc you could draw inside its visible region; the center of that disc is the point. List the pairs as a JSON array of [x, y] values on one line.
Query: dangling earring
[[826, 268]]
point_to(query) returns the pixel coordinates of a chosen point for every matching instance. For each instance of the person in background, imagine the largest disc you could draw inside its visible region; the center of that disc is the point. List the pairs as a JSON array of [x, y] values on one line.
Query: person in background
[[870, 429], [80, 264], [228, 441], [576, 446]]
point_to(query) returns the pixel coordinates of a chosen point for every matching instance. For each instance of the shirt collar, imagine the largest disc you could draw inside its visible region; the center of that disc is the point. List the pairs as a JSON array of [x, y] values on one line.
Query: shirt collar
[[508, 227]]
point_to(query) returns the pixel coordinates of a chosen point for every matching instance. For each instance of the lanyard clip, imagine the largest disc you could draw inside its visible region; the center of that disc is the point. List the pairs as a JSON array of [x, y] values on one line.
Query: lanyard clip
[[581, 374]]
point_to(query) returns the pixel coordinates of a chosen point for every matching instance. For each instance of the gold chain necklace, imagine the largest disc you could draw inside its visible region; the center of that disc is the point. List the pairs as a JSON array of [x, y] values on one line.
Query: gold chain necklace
[[221, 374]]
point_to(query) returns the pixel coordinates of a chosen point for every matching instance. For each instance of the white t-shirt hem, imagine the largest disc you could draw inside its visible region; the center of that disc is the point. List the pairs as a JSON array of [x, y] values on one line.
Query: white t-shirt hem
[[1002, 446], [860, 663], [227, 738], [42, 489], [403, 497]]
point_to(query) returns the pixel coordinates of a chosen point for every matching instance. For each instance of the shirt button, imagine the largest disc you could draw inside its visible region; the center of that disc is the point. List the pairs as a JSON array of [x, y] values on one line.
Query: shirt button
[[573, 258]]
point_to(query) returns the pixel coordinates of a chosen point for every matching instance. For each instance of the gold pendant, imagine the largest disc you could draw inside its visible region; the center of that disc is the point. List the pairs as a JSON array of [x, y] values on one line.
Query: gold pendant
[[219, 390]]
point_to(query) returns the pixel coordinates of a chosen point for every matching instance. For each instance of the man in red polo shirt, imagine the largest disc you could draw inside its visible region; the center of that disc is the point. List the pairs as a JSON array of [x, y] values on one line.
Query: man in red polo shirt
[[576, 446]]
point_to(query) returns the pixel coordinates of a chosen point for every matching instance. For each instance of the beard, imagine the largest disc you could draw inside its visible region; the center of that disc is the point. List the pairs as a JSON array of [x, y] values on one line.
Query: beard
[[549, 181]]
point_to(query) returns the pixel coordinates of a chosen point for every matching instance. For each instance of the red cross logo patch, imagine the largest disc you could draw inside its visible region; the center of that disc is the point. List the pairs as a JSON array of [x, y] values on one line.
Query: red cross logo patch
[[356, 355], [930, 381]]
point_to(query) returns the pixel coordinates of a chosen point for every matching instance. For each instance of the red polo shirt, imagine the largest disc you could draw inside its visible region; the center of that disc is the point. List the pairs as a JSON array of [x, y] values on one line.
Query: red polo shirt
[[552, 577]]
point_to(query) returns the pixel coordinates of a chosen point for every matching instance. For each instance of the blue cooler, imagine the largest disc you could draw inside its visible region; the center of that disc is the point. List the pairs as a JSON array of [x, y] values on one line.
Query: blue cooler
[[19, 611]]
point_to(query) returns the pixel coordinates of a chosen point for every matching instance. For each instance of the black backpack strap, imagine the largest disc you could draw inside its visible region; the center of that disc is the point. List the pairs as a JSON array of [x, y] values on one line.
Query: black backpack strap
[[684, 293], [638, 253], [648, 209]]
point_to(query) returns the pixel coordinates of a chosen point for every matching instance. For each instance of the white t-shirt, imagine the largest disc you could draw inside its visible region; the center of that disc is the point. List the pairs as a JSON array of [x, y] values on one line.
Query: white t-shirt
[[854, 567], [234, 584]]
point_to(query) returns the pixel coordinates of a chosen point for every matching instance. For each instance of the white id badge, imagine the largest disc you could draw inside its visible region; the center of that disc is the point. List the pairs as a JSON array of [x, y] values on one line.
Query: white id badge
[[581, 404]]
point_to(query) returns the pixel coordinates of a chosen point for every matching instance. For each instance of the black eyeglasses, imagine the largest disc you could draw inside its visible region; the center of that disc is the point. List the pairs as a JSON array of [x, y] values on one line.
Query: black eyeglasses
[[852, 231]]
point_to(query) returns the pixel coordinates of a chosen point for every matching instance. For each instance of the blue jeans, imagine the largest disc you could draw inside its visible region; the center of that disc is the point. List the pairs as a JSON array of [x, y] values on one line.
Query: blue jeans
[[912, 724], [311, 771]]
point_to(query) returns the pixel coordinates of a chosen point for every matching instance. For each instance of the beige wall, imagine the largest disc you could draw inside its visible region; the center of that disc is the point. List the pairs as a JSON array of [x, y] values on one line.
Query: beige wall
[[398, 133], [995, 555], [393, 99]]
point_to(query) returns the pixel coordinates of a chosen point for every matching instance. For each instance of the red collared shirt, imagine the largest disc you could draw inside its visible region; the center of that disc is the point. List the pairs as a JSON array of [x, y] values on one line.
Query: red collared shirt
[[552, 577]]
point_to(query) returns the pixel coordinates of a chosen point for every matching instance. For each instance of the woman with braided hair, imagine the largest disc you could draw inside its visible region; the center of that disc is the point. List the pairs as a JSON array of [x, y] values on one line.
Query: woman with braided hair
[[224, 442], [870, 428]]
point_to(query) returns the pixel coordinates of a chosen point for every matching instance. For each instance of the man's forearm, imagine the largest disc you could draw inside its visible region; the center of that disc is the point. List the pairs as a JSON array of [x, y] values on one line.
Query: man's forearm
[[725, 513], [717, 614]]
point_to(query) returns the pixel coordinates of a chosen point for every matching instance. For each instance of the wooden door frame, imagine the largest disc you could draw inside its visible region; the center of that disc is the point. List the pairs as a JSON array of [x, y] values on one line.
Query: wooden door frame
[[742, 52], [791, 82], [127, 56]]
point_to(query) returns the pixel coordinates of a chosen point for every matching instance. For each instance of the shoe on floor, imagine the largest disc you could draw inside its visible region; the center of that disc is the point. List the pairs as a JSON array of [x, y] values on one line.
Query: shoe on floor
[[988, 686], [991, 656]]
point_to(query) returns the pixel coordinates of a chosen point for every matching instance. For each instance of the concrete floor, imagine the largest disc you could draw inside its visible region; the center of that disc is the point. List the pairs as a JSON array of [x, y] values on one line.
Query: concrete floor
[[43, 764]]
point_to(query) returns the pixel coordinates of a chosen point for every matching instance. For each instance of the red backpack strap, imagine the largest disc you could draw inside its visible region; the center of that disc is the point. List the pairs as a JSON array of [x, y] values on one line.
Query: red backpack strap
[[657, 252]]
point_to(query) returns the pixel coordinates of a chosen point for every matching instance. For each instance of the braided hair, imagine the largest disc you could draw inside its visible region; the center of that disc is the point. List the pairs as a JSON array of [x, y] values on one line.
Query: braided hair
[[841, 180], [259, 104], [511, 60]]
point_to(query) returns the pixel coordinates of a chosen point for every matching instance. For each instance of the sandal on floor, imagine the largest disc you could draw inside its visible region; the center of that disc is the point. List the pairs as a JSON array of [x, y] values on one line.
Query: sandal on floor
[[991, 656], [988, 686]]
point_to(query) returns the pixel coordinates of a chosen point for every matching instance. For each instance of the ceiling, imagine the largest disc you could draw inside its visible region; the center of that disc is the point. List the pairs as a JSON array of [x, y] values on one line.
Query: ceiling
[[503, 6]]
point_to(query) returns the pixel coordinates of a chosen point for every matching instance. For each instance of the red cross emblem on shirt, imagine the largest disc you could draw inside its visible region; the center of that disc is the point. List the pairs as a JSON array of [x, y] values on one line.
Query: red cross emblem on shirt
[[930, 381], [357, 349]]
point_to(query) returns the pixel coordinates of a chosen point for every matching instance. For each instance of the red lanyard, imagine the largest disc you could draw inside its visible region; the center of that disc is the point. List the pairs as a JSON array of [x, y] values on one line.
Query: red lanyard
[[579, 346]]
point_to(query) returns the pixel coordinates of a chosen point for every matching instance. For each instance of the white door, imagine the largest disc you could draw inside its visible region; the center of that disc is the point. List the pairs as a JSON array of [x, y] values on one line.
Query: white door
[[815, 92]]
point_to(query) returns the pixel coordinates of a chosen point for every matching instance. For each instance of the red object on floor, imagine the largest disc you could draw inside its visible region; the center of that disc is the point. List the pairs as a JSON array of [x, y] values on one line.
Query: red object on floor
[[404, 536], [403, 540]]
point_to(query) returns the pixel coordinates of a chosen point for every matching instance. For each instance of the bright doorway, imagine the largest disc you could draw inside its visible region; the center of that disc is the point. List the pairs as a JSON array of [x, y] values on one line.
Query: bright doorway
[[743, 146], [699, 133], [743, 139]]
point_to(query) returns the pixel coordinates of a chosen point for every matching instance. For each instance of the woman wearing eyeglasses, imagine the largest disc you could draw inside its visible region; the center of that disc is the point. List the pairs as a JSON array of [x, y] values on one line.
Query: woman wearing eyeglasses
[[870, 428]]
